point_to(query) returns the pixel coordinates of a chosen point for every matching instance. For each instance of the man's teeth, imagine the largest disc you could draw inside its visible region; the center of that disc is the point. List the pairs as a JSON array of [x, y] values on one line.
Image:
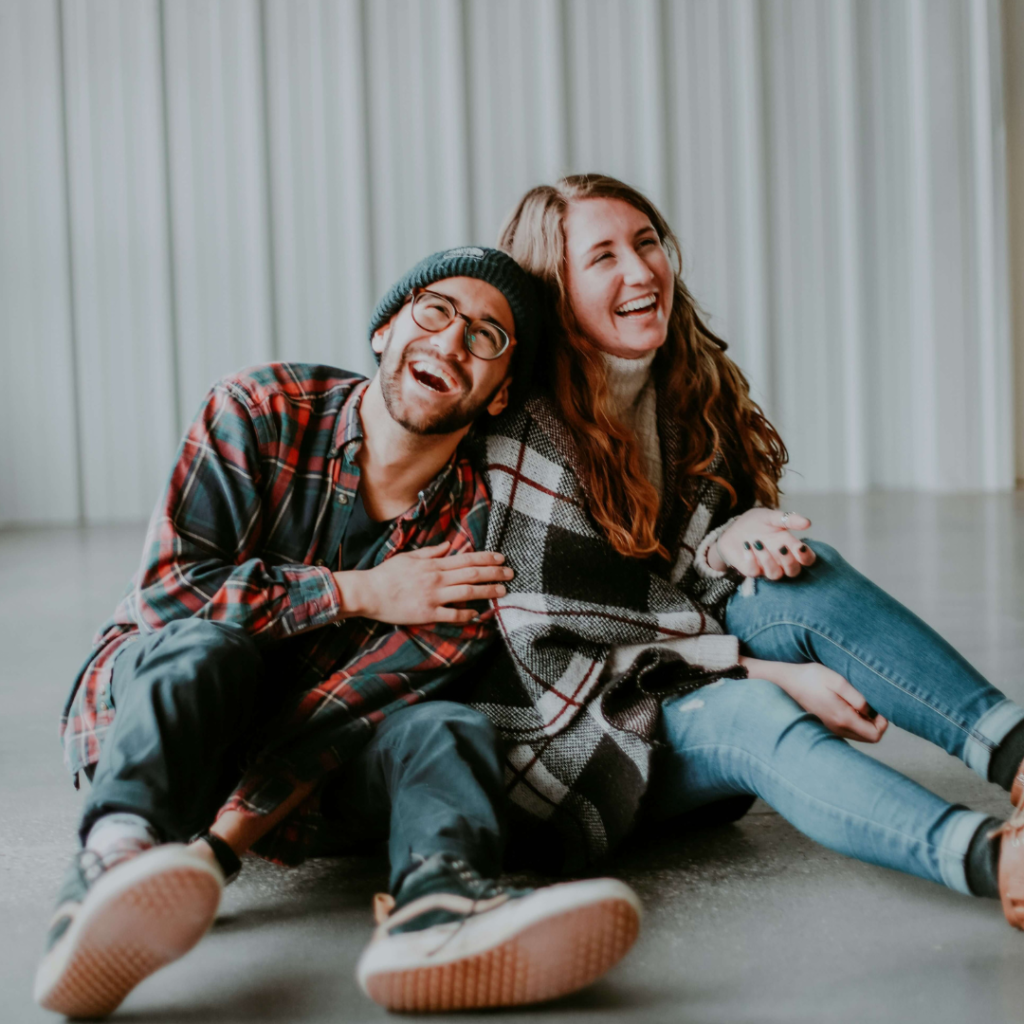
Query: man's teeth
[[432, 372], [636, 304]]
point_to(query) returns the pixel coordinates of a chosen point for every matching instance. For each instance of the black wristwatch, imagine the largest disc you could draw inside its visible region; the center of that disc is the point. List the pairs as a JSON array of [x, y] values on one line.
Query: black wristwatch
[[229, 861]]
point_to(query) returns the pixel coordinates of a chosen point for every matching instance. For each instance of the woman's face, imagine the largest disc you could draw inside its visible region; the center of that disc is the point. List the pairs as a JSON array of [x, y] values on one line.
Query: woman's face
[[619, 279]]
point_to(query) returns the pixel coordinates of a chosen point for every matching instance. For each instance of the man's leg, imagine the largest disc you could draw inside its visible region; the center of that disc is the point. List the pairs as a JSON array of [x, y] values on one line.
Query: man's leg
[[431, 780], [184, 699]]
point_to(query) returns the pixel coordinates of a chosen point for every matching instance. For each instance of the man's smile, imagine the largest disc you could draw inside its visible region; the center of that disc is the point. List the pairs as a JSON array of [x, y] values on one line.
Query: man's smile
[[433, 376]]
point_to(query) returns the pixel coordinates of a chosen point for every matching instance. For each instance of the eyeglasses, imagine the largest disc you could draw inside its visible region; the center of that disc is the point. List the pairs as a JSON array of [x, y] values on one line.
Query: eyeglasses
[[435, 312]]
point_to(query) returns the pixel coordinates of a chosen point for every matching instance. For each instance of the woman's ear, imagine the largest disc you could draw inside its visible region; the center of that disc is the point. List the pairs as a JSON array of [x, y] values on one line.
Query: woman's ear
[[499, 403]]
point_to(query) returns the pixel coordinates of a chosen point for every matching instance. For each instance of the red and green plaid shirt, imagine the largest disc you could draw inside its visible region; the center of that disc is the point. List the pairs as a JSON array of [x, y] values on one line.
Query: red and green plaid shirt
[[249, 531]]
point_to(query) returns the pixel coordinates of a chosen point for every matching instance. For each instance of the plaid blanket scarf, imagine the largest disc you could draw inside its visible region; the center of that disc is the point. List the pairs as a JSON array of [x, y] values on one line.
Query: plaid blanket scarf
[[594, 641]]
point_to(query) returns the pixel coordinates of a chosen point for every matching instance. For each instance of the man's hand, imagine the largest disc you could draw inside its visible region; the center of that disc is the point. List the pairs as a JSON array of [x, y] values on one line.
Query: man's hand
[[824, 693], [760, 544], [419, 587]]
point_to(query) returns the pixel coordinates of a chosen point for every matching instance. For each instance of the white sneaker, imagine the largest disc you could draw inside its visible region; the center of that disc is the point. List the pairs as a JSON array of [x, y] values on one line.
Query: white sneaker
[[115, 926], [466, 949]]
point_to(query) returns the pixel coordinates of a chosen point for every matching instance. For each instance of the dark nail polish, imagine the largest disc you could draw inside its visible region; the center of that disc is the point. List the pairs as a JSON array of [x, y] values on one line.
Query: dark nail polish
[[783, 550], [758, 545], [746, 544], [803, 548], [870, 712]]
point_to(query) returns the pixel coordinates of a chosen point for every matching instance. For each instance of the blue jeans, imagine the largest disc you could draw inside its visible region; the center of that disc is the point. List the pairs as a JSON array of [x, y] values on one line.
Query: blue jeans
[[748, 736]]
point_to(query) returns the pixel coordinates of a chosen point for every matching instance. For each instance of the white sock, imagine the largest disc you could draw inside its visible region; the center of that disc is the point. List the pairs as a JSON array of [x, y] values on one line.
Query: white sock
[[115, 837]]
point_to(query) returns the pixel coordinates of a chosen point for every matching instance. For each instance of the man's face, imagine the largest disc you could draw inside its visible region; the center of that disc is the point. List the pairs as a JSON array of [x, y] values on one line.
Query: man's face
[[431, 382]]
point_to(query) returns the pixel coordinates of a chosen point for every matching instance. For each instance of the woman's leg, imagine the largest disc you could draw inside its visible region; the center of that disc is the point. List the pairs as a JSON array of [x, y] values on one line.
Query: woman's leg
[[833, 615], [747, 736]]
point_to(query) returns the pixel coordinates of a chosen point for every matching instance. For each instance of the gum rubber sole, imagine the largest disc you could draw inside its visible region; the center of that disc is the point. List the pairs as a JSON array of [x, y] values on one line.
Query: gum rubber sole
[[550, 958], [136, 919]]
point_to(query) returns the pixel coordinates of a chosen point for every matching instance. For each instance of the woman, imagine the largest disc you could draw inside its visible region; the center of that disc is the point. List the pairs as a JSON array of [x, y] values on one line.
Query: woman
[[633, 493]]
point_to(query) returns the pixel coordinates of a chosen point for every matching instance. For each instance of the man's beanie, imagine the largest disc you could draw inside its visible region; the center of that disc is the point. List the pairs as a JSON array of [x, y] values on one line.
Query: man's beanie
[[496, 268]]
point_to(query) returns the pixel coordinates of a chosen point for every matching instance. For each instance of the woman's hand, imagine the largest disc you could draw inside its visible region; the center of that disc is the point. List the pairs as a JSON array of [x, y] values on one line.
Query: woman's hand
[[823, 693], [419, 587], [759, 544]]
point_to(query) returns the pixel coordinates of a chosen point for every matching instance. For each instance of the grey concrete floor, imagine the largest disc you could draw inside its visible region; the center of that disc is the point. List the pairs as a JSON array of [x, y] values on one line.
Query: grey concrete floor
[[751, 922]]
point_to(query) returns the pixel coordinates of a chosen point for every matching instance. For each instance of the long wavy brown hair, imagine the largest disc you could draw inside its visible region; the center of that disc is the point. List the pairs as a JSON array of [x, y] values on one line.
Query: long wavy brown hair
[[705, 387]]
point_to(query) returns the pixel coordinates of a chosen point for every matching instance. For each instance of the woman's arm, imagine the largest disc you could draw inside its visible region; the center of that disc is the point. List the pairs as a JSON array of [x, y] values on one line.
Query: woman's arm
[[823, 693]]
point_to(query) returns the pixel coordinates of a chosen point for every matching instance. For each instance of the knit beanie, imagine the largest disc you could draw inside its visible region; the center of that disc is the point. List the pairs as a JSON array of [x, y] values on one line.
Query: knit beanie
[[496, 268]]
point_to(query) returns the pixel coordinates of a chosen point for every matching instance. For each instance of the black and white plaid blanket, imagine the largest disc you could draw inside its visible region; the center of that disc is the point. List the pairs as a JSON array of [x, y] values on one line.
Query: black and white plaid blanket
[[593, 640]]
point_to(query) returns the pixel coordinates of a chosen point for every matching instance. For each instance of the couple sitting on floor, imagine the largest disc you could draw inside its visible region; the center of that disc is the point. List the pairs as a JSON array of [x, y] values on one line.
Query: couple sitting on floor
[[555, 449]]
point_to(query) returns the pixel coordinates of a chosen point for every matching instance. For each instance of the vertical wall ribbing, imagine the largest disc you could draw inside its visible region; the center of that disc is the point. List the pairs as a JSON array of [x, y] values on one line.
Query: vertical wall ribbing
[[172, 288], [66, 174], [275, 326]]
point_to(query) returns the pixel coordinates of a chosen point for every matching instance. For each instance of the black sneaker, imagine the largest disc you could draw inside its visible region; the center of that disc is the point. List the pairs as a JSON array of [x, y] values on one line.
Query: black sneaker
[[117, 924], [455, 941]]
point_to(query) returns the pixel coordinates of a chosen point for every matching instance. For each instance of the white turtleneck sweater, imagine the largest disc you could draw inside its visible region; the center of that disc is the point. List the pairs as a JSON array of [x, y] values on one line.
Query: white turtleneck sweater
[[634, 403]]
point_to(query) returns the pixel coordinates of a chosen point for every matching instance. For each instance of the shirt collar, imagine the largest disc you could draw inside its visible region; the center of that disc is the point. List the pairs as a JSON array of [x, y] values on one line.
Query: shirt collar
[[350, 426]]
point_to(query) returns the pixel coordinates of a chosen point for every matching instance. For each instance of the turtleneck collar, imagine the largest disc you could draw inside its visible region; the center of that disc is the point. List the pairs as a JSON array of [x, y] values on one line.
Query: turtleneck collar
[[626, 380]]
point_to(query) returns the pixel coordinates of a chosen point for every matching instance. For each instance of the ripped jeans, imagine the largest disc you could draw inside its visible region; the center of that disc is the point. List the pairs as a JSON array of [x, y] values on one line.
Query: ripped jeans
[[747, 736]]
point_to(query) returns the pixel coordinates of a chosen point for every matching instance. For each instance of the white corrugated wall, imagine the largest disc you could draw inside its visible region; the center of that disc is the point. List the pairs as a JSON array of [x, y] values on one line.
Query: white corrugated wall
[[190, 186]]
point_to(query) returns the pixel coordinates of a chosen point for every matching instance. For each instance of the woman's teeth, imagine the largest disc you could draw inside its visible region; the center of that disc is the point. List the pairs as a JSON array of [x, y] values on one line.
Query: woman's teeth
[[641, 305], [430, 375]]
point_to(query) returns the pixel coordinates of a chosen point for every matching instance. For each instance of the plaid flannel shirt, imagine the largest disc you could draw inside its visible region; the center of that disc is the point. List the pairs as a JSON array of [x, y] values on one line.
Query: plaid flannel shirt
[[249, 531]]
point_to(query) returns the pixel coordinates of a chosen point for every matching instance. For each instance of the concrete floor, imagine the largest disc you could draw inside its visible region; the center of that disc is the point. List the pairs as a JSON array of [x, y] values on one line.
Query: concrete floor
[[747, 923]]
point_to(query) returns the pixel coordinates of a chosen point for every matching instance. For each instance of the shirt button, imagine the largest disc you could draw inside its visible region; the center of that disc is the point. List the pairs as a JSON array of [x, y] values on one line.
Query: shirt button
[[342, 499], [319, 561]]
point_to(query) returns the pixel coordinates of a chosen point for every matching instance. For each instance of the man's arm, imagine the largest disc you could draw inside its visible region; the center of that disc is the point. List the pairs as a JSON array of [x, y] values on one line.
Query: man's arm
[[201, 556], [416, 588]]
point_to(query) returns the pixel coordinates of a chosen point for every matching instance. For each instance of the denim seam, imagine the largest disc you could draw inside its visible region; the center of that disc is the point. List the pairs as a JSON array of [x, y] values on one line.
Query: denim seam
[[963, 727], [939, 850]]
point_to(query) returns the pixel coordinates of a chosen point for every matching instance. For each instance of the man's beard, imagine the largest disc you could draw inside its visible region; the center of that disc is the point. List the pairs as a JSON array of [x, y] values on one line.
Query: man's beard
[[442, 422]]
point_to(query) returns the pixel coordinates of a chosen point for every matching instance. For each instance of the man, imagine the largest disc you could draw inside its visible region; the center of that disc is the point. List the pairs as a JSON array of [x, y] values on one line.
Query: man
[[313, 575]]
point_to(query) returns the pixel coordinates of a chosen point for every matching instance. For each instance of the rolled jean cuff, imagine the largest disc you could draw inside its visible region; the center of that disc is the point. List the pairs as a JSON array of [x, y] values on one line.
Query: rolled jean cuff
[[988, 732], [953, 851]]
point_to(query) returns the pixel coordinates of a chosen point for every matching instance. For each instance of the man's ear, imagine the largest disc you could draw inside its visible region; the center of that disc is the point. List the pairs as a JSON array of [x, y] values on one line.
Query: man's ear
[[499, 403], [380, 337]]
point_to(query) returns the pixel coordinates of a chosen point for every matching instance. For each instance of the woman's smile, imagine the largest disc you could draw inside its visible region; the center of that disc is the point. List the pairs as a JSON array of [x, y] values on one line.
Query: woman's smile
[[643, 306]]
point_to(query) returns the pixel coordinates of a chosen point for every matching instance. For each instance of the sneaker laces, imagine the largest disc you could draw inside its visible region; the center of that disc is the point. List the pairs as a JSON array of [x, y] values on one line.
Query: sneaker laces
[[478, 889]]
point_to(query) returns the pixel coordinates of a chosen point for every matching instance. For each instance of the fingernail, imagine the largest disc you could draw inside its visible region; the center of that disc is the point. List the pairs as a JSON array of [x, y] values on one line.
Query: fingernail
[[746, 544], [758, 545], [501, 591], [783, 550], [803, 548], [507, 574], [870, 712]]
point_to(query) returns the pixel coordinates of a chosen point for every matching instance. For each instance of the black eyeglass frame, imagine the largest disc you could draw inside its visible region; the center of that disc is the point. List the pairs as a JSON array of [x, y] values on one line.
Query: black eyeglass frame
[[461, 316]]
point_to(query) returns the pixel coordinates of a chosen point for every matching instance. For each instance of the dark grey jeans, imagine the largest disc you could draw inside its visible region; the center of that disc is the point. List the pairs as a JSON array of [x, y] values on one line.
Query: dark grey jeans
[[187, 699]]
